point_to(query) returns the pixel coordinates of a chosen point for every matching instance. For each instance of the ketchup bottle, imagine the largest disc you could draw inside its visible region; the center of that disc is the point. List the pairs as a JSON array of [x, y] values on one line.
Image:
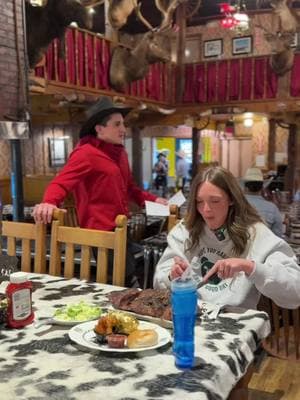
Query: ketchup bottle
[[19, 302]]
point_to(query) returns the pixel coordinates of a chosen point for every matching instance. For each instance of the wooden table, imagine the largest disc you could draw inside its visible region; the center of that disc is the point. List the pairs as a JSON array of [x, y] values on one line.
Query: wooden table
[[43, 363]]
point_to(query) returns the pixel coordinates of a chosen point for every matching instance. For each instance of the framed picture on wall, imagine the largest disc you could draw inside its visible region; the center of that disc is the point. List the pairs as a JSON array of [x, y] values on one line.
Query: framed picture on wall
[[242, 45], [213, 48], [57, 152], [14, 130]]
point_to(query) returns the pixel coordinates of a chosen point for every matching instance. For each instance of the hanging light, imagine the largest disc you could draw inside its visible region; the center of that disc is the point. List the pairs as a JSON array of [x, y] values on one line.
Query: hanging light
[[248, 122], [234, 17]]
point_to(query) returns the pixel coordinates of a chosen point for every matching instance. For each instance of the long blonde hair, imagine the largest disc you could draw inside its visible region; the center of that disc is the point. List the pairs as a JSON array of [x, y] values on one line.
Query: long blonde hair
[[241, 215]]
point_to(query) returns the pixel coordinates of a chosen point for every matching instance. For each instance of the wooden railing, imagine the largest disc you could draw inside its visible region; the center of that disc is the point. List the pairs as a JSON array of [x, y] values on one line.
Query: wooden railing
[[85, 66], [244, 79], [86, 63]]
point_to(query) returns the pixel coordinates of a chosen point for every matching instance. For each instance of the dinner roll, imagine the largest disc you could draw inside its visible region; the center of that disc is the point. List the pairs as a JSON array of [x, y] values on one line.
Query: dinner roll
[[142, 338]]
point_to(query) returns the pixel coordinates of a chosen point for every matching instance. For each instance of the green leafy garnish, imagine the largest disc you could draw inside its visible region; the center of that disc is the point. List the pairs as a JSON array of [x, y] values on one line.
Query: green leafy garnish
[[78, 312]]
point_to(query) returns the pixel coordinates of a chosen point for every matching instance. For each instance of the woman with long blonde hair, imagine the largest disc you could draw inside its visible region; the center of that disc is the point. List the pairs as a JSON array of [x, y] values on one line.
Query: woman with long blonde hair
[[228, 246]]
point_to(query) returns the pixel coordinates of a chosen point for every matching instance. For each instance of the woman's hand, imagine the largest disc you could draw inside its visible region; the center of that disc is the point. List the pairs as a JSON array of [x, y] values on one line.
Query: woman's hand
[[229, 267], [178, 268]]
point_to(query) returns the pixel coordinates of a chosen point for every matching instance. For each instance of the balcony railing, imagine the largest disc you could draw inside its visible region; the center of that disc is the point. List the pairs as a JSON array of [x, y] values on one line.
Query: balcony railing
[[86, 62], [85, 66], [245, 79]]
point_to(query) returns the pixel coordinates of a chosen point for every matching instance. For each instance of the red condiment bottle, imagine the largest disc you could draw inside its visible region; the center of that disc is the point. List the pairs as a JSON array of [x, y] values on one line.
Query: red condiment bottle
[[19, 301]]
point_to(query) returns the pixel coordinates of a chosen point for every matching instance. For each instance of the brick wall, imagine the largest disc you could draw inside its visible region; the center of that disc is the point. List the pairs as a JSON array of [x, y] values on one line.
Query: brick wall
[[11, 71]]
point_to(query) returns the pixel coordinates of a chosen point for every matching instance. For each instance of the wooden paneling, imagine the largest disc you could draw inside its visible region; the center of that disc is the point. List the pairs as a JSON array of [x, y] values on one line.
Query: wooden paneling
[[5, 190], [34, 188]]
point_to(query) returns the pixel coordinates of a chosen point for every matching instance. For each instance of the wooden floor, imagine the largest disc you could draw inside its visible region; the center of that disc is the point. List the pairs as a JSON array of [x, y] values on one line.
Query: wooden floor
[[275, 379]]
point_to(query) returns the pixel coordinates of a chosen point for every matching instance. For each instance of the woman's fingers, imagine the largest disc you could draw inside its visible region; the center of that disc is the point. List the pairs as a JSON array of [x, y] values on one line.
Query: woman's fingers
[[179, 266]]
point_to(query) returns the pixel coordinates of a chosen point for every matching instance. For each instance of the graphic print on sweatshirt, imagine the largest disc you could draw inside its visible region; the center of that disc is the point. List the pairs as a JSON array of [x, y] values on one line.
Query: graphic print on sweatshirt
[[203, 262]]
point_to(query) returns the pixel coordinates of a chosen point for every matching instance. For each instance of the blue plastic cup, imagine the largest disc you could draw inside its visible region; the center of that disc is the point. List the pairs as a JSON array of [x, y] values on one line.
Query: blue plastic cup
[[184, 307]]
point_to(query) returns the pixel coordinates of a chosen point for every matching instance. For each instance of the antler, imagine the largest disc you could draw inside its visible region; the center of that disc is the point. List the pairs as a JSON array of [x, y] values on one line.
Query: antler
[[91, 3], [137, 8], [167, 12], [195, 9]]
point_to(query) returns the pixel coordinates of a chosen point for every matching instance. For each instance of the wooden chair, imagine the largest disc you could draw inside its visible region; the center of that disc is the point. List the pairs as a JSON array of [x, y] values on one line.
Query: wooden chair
[[87, 239], [284, 340], [173, 218], [70, 218], [26, 232]]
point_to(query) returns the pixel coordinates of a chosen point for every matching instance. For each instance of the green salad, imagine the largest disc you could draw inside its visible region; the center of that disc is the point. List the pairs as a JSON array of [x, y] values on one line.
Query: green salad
[[78, 312]]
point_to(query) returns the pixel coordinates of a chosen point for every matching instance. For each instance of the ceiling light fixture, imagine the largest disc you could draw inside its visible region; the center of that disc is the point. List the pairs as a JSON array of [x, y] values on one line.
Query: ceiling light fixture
[[248, 122], [235, 17]]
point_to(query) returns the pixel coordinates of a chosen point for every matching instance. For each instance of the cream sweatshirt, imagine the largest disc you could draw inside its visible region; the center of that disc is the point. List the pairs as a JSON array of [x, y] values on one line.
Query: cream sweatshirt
[[276, 273]]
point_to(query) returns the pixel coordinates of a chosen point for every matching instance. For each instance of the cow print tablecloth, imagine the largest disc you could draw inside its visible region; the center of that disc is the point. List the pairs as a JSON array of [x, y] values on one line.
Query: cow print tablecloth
[[43, 363]]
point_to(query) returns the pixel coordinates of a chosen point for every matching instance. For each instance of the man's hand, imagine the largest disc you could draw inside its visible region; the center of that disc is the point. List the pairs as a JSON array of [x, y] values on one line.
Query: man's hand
[[161, 200], [43, 212], [178, 268], [229, 267]]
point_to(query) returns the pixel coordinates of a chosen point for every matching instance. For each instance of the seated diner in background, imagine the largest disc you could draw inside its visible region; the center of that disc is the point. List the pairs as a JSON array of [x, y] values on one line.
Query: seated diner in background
[[236, 253], [269, 212], [98, 174]]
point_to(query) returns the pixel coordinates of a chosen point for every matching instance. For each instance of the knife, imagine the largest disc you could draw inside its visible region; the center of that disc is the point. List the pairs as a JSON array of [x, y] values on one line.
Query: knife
[[202, 283]]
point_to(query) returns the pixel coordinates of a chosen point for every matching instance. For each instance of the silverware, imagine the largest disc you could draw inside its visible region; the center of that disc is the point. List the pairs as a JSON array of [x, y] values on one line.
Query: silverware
[[202, 283], [48, 321]]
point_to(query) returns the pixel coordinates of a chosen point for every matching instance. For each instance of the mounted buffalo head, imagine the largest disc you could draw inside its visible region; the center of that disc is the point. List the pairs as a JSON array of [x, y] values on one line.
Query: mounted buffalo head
[[43, 24]]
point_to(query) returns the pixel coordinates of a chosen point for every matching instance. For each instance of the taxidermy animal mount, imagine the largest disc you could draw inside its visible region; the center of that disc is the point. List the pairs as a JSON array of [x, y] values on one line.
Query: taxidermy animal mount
[[282, 57], [128, 65], [43, 24]]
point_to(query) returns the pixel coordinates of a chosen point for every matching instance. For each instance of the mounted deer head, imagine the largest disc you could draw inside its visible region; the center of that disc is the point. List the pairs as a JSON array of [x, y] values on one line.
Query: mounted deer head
[[43, 24], [128, 65], [282, 57]]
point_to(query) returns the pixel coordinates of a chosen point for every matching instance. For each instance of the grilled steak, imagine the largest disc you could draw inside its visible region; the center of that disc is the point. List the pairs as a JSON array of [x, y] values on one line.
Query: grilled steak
[[152, 302], [119, 298]]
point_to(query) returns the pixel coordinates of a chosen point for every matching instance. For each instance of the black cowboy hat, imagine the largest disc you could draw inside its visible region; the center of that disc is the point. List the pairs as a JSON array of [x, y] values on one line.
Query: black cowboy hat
[[97, 112]]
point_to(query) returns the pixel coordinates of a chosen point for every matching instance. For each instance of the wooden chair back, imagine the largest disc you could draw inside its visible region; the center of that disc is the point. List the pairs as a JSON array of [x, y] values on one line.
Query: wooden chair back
[[70, 218], [284, 340], [88, 239], [27, 233], [173, 218]]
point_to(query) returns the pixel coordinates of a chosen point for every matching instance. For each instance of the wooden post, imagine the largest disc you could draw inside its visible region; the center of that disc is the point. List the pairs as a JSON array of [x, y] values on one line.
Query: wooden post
[[272, 143], [195, 142], [181, 22], [290, 171], [137, 155]]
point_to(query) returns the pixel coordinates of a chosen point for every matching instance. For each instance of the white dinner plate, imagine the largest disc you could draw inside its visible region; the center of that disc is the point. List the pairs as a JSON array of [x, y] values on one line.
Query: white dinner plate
[[85, 336]]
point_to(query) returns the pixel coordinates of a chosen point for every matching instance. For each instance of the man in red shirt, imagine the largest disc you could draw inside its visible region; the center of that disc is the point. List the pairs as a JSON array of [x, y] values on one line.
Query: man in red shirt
[[97, 173]]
